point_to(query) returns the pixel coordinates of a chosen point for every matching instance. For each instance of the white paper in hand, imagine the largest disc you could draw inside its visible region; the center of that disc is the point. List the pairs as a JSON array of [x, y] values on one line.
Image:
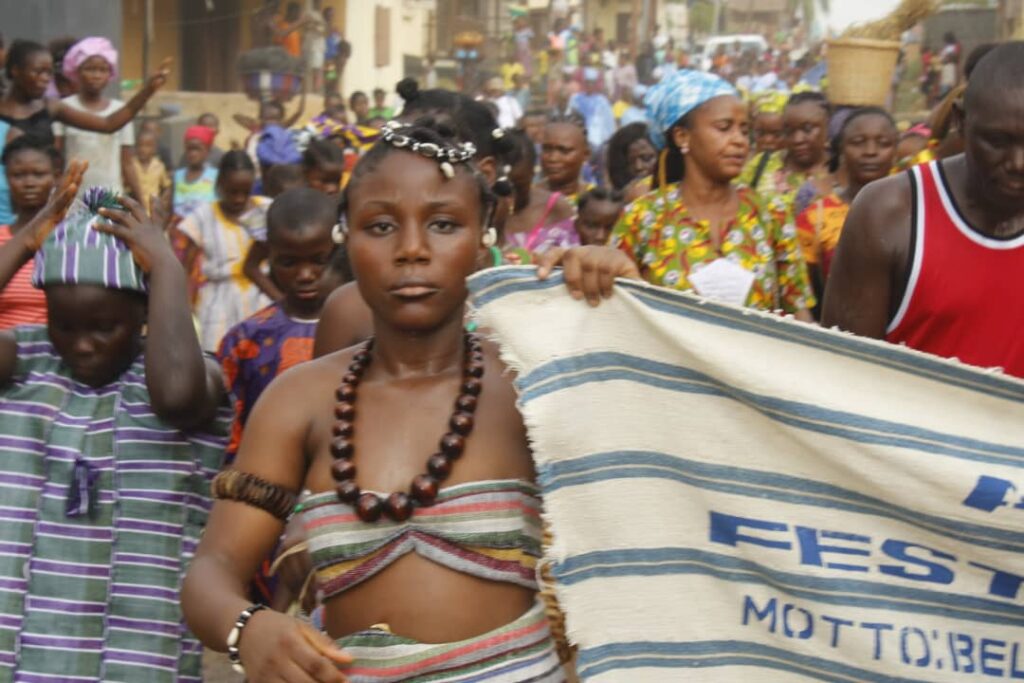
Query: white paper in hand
[[723, 280]]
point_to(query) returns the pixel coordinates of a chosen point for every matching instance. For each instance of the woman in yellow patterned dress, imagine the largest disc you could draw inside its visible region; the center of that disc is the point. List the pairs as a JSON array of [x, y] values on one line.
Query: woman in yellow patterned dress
[[804, 154], [865, 148], [697, 230]]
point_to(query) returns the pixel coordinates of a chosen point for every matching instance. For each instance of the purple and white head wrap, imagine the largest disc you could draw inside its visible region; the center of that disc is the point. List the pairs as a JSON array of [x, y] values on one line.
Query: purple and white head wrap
[[76, 254]]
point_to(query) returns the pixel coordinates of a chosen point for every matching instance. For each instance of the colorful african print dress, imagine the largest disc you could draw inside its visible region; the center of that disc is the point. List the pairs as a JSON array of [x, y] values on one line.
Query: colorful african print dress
[[770, 178], [671, 247], [256, 351], [103, 505], [252, 354], [225, 295], [819, 227]]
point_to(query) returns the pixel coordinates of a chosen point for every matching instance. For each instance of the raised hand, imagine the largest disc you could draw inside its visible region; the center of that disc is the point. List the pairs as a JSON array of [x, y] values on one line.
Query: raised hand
[[40, 227], [159, 79], [589, 272], [143, 233]]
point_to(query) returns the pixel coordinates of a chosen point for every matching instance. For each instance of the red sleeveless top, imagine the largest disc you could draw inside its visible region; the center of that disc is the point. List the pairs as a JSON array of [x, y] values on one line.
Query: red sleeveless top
[[964, 296]]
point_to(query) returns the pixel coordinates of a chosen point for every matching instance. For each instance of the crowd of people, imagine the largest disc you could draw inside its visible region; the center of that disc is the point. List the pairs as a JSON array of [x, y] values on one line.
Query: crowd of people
[[288, 320]]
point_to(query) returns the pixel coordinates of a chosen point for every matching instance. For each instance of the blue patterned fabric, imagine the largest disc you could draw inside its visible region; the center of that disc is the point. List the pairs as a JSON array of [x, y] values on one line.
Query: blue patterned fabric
[[814, 506], [679, 93]]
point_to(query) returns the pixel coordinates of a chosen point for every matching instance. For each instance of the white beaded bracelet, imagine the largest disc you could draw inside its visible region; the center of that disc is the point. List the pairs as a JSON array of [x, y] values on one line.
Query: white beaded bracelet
[[236, 634]]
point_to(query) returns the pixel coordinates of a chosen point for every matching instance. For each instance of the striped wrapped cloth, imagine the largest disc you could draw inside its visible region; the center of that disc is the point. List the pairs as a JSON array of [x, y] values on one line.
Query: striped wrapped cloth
[[488, 529], [735, 496], [520, 652], [101, 508]]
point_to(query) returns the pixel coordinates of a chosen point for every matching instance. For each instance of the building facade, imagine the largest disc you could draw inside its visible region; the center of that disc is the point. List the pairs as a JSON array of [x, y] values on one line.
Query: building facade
[[766, 17], [1011, 19], [633, 23]]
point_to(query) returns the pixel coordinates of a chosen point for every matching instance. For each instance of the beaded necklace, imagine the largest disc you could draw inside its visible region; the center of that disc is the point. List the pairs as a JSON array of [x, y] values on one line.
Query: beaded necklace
[[424, 488]]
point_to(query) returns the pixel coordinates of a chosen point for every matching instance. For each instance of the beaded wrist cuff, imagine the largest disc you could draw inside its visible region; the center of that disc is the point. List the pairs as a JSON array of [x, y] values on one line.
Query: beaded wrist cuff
[[236, 634], [251, 490]]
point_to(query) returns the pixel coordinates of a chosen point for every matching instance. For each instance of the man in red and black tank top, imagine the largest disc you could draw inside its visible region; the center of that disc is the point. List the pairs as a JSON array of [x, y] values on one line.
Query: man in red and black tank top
[[934, 258]]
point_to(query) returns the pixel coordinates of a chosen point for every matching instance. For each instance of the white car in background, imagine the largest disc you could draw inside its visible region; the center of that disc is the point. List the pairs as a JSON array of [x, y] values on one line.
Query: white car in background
[[751, 41]]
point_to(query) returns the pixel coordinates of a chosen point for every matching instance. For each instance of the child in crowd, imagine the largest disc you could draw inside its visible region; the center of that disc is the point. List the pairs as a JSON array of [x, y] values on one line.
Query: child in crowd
[[323, 164], [163, 152], [380, 109], [31, 169], [306, 266], [195, 184], [359, 105], [299, 224], [323, 168], [272, 113], [281, 178], [114, 423], [91, 64], [150, 171], [597, 213], [219, 234], [211, 121]]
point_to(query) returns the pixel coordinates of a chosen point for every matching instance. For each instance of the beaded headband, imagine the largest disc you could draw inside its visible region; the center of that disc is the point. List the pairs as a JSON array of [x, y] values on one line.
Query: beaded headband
[[444, 154]]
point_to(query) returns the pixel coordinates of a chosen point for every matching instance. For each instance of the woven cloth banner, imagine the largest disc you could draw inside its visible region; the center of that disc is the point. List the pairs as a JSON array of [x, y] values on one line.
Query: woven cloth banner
[[735, 496]]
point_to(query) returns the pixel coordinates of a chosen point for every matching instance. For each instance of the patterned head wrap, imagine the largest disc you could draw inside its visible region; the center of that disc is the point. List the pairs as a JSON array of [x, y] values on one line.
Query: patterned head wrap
[[85, 48], [770, 102], [677, 94], [76, 254]]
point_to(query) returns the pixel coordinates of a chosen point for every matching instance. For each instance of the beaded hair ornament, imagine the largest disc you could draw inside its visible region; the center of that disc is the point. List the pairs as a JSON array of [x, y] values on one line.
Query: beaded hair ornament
[[446, 155], [394, 133]]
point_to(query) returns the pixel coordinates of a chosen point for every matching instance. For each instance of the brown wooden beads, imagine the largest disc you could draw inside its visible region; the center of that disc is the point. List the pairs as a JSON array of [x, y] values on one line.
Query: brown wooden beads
[[399, 505]]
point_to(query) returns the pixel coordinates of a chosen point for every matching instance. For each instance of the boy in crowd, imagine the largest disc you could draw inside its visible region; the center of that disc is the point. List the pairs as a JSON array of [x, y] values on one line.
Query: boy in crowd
[[597, 213], [301, 253], [113, 423], [151, 172]]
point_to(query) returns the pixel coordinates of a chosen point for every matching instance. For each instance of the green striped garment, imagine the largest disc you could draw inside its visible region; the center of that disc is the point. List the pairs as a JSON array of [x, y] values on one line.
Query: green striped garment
[[95, 596]]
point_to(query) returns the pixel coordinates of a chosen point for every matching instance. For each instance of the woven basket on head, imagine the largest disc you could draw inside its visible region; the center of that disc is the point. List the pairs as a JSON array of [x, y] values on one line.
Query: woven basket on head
[[860, 71]]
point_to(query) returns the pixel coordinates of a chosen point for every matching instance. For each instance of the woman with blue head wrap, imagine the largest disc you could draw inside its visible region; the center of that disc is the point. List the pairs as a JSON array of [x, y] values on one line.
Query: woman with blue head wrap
[[697, 230]]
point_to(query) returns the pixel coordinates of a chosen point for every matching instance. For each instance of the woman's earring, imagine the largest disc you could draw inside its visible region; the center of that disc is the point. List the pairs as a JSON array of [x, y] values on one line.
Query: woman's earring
[[338, 233], [684, 150], [490, 238]]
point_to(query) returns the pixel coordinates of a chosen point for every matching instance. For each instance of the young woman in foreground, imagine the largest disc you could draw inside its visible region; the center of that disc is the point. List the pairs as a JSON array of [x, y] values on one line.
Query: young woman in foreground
[[423, 524]]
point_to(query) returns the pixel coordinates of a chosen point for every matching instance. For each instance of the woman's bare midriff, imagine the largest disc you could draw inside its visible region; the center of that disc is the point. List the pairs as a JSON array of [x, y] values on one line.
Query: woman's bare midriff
[[425, 601]]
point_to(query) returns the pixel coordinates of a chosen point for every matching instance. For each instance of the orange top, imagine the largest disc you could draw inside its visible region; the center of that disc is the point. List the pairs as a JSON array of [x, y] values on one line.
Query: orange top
[[20, 302], [292, 41]]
